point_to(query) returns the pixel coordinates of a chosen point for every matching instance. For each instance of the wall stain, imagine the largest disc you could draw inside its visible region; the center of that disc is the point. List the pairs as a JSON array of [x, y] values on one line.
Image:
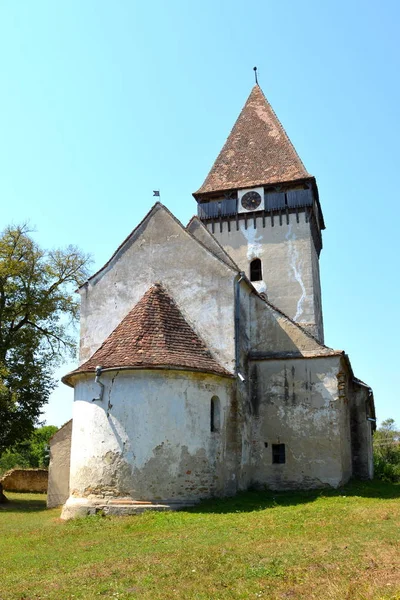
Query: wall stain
[[109, 405], [286, 386]]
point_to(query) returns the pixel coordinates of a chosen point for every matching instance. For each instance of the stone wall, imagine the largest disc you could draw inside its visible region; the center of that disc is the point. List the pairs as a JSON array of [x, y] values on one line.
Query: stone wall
[[25, 480], [60, 455]]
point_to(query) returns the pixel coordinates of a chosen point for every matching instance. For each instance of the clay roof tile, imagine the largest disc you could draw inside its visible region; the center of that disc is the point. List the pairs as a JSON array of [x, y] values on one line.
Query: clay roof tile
[[257, 151], [153, 334]]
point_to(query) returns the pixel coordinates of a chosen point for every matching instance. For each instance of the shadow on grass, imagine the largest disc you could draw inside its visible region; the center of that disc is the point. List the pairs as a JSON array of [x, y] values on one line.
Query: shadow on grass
[[260, 500], [23, 503], [243, 502]]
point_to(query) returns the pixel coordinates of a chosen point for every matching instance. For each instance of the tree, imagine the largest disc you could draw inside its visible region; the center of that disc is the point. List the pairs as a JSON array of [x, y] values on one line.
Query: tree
[[37, 309], [387, 451], [30, 453]]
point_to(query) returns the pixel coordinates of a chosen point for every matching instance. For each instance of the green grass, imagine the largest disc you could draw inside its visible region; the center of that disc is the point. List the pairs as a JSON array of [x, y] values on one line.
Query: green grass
[[342, 544]]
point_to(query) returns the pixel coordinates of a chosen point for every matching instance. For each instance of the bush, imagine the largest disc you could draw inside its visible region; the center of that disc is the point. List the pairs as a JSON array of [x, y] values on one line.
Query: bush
[[386, 471], [387, 452]]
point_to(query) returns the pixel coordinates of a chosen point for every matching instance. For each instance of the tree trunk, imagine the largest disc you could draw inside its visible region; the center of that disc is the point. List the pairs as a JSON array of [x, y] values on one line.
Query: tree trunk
[[3, 499]]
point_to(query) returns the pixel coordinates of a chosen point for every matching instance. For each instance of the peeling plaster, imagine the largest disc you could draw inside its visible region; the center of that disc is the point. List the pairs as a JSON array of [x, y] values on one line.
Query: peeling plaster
[[327, 386], [156, 442], [295, 266], [254, 242], [303, 416], [255, 249], [260, 286]]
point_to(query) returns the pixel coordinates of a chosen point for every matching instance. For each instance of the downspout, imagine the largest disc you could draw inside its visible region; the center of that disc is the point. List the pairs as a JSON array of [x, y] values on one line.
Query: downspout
[[97, 380], [237, 324]]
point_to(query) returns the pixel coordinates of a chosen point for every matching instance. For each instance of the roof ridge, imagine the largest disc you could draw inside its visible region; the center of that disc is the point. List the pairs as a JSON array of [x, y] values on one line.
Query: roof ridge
[[147, 216], [195, 239], [224, 252], [278, 310], [307, 333], [122, 244]]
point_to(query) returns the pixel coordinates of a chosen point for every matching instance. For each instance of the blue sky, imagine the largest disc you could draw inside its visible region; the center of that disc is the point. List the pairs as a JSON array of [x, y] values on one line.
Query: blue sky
[[102, 102]]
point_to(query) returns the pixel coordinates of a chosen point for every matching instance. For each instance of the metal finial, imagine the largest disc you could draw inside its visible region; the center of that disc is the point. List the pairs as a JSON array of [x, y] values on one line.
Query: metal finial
[[255, 74]]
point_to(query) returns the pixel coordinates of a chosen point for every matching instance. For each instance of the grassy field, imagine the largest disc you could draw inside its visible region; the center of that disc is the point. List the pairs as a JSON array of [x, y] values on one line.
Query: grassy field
[[342, 544]]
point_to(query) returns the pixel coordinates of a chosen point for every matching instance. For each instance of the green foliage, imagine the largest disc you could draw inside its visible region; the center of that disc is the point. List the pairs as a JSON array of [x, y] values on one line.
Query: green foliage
[[37, 308], [31, 453], [387, 452], [11, 459]]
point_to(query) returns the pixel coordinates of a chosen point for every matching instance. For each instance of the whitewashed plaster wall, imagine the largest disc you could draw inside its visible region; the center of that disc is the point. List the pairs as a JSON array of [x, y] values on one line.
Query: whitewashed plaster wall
[[244, 299], [150, 437], [161, 250], [297, 403], [201, 233], [272, 332], [59, 467], [290, 278]]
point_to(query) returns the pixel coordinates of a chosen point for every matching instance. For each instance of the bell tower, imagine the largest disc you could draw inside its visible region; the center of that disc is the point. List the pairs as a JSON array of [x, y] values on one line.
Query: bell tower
[[262, 206]]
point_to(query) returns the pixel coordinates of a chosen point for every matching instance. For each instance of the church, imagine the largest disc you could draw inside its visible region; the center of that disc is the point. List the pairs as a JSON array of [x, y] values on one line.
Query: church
[[203, 366]]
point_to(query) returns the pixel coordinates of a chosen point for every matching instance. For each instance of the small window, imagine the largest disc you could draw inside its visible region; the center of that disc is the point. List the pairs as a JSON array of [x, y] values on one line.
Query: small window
[[278, 454], [255, 270], [215, 414]]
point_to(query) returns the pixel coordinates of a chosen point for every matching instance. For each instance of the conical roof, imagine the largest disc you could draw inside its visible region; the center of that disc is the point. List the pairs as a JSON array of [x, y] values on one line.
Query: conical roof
[[153, 334], [257, 151]]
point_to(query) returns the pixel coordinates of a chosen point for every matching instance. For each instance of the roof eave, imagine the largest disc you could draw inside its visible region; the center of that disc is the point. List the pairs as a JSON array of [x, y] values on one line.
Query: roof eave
[[201, 193], [69, 378]]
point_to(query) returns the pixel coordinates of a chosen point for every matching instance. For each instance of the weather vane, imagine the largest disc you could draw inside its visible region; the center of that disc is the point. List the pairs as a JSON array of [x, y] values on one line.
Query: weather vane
[[255, 74]]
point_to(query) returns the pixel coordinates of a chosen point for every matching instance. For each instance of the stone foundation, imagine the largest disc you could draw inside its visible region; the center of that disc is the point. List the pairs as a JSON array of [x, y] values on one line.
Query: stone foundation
[[83, 507]]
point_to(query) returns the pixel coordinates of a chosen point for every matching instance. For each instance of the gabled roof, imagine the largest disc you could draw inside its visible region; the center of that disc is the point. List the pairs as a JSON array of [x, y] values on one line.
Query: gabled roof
[[196, 228], [257, 151], [154, 334], [158, 206]]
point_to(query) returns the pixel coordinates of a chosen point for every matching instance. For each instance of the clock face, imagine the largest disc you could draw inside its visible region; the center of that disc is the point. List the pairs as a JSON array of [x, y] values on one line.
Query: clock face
[[251, 200]]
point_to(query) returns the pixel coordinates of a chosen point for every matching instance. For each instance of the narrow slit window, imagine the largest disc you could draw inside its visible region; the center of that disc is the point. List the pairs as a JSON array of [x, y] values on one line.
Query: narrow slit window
[[255, 270], [278, 454], [215, 414]]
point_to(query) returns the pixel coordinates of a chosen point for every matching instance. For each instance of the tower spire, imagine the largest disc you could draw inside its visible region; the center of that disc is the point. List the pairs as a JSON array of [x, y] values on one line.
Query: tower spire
[[257, 151]]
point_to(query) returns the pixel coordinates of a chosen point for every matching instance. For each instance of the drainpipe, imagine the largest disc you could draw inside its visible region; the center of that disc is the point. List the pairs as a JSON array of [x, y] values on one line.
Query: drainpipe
[[237, 323], [97, 380]]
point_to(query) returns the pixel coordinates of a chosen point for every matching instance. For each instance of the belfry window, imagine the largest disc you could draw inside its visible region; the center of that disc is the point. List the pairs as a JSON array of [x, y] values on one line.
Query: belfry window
[[255, 270], [215, 414]]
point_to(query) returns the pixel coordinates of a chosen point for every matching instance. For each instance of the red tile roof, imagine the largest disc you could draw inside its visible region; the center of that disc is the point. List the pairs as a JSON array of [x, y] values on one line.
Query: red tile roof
[[257, 151], [153, 334]]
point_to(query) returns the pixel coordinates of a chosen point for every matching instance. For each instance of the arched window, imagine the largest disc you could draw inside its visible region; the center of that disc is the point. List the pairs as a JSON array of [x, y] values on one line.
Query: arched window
[[255, 270], [215, 414]]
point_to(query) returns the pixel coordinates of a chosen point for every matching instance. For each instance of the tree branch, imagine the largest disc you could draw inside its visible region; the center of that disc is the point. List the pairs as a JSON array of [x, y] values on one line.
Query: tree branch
[[47, 333]]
